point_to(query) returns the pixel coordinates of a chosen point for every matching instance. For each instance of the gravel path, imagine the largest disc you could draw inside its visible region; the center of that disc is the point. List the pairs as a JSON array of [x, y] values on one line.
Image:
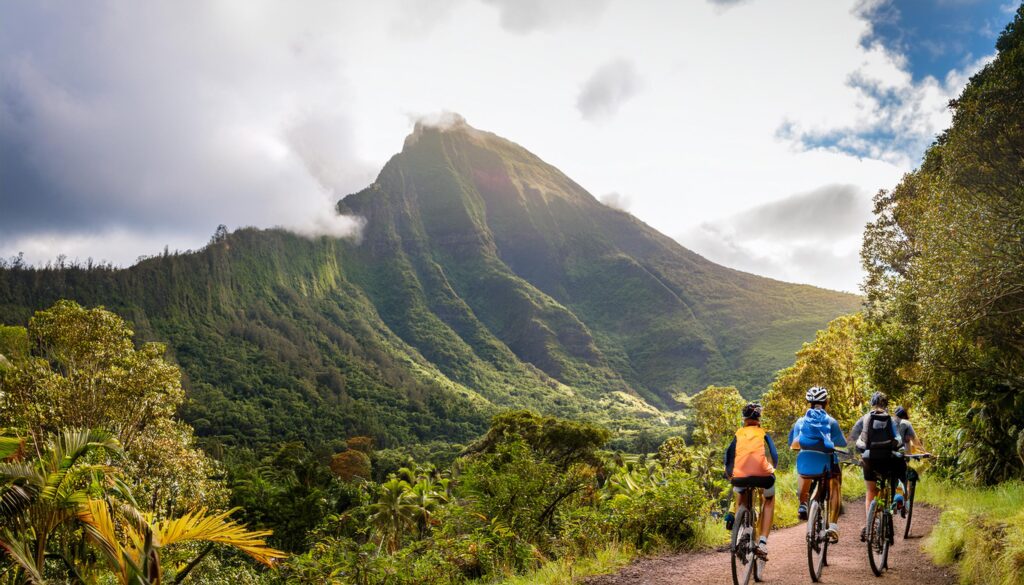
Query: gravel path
[[787, 559]]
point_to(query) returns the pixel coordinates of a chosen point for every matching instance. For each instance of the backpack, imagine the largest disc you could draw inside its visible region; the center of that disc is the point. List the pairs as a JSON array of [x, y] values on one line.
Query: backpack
[[816, 432], [879, 438]]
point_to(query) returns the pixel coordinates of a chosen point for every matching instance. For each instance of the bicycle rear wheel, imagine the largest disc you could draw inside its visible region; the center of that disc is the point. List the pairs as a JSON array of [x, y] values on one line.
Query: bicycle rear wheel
[[910, 507], [878, 543], [742, 547], [817, 540]]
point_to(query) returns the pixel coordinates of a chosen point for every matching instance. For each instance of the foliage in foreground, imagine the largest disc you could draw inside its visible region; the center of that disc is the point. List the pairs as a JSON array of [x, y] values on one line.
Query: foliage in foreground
[[97, 480], [533, 491]]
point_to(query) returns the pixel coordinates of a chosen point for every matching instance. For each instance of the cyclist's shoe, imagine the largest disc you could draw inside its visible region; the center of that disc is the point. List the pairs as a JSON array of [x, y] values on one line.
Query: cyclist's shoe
[[833, 533], [801, 512], [729, 519], [762, 549], [864, 534]]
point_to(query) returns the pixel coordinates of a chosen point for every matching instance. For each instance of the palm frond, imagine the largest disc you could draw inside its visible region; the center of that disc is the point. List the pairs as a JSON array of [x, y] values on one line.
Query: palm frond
[[218, 528], [21, 553]]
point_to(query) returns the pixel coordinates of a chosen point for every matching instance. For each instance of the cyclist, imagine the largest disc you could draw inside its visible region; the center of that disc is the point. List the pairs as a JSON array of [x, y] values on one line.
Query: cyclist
[[877, 438], [747, 466], [906, 430], [816, 435]]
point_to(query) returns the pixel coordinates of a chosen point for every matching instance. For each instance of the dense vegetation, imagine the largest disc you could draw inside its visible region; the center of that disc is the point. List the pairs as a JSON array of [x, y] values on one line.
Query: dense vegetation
[[945, 262], [485, 279]]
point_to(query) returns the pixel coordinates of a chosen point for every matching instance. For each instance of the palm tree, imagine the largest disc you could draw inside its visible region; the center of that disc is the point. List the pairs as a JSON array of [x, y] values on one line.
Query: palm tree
[[40, 497], [392, 513]]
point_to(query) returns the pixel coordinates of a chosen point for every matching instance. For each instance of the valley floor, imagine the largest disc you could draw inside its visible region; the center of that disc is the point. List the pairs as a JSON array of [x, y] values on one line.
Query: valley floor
[[787, 562]]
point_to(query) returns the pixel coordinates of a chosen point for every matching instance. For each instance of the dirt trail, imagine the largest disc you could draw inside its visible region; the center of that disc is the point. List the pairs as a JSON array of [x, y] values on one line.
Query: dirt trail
[[787, 559]]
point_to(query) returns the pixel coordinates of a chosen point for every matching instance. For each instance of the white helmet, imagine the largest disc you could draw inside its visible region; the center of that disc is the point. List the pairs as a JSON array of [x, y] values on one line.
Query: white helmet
[[817, 394]]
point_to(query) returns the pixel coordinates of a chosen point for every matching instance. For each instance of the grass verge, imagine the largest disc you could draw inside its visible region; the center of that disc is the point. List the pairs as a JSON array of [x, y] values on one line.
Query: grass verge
[[566, 571], [981, 530]]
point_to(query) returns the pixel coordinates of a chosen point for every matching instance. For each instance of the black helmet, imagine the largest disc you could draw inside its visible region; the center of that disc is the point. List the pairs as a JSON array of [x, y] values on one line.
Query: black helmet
[[879, 399], [752, 411], [901, 413]]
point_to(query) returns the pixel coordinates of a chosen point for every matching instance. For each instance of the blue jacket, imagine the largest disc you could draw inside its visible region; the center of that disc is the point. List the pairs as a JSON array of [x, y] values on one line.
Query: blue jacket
[[816, 462]]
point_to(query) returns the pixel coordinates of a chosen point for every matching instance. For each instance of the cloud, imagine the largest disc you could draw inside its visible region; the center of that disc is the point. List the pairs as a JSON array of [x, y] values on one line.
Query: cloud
[[110, 126], [727, 3], [617, 200], [806, 237], [610, 86], [526, 16]]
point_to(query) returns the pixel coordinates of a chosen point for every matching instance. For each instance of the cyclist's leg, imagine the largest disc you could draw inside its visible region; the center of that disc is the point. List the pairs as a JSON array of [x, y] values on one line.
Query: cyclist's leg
[[805, 489], [768, 510], [836, 496], [835, 490]]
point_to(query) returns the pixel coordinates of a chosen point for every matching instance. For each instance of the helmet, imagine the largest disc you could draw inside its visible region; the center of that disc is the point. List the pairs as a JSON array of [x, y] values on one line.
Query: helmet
[[817, 394], [879, 399], [752, 410], [901, 413]]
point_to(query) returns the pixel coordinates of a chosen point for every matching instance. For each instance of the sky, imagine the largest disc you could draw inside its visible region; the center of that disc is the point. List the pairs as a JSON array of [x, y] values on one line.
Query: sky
[[754, 132]]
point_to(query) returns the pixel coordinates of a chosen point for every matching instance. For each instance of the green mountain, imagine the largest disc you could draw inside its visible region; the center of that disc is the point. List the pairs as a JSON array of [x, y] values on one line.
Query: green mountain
[[484, 278]]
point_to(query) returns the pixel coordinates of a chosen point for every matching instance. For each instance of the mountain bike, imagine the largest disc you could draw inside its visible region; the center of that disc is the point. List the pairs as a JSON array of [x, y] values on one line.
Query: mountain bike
[[911, 487], [745, 534], [880, 533], [818, 538]]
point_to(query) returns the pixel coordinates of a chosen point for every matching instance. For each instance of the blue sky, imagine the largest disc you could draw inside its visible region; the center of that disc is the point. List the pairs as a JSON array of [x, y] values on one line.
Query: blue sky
[[937, 36]]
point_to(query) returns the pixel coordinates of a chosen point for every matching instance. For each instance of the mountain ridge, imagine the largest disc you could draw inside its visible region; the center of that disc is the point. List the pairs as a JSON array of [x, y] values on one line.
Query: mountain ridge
[[484, 279]]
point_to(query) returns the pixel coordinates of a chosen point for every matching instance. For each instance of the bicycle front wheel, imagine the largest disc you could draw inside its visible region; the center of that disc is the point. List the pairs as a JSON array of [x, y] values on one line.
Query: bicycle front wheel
[[742, 547], [910, 508], [817, 540], [878, 542]]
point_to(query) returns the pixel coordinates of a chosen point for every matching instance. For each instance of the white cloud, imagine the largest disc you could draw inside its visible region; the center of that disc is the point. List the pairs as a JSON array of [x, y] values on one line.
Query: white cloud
[[610, 86], [807, 237]]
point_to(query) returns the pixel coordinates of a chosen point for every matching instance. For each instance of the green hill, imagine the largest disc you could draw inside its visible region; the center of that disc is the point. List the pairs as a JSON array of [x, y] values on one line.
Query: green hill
[[484, 278]]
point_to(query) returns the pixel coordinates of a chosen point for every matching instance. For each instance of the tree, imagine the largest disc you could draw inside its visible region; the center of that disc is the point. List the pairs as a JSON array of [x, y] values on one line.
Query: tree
[[394, 511], [717, 412], [350, 465], [82, 370], [945, 263], [832, 360]]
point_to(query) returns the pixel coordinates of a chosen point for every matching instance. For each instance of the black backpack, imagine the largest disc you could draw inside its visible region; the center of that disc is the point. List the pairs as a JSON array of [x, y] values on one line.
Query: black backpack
[[881, 440]]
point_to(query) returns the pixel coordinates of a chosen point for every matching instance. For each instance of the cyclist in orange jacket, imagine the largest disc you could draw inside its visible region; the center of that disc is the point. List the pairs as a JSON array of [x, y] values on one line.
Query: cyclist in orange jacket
[[747, 466]]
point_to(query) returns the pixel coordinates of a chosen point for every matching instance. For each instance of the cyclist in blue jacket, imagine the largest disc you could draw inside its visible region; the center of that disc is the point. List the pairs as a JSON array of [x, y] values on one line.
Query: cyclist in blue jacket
[[816, 435]]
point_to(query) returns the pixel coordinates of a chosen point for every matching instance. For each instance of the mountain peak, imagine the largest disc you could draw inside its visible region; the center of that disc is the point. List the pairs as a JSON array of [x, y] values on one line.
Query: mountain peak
[[444, 123]]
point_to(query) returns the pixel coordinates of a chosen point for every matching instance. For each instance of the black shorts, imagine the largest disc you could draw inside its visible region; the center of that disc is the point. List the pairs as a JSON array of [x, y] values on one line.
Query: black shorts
[[891, 467], [761, 481]]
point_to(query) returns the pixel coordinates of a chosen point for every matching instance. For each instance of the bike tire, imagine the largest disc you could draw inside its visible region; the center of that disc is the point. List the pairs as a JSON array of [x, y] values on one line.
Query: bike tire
[[910, 508], [817, 542], [742, 547], [890, 537], [878, 548]]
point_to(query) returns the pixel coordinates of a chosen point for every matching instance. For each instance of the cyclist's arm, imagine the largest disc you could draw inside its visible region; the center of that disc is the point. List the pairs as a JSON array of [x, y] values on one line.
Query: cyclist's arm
[[772, 450], [856, 431], [793, 434], [730, 458], [837, 435]]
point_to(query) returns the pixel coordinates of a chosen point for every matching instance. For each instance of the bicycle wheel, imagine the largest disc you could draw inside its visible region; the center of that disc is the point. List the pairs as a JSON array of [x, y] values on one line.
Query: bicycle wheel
[[910, 508], [817, 541], [878, 545], [890, 537], [742, 547]]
